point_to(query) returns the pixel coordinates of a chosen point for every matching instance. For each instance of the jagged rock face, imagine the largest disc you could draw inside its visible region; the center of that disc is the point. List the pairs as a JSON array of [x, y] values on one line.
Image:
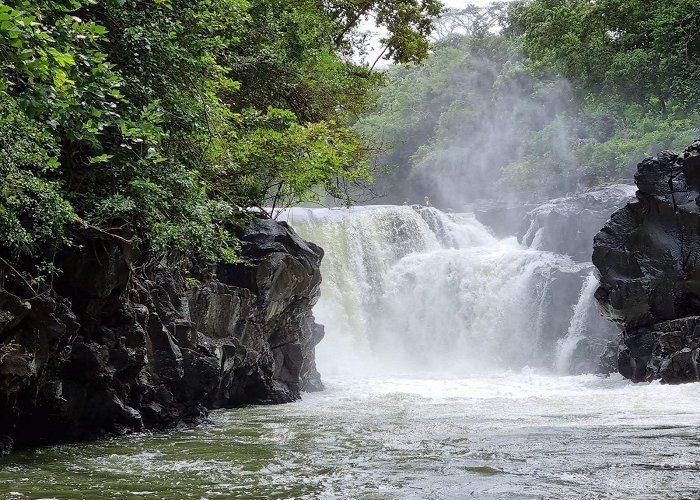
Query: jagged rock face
[[648, 256], [567, 225], [112, 351]]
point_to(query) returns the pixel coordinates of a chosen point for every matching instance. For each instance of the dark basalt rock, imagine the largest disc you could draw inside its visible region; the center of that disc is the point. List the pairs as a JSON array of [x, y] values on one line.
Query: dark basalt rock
[[648, 257], [111, 350], [503, 219], [608, 360]]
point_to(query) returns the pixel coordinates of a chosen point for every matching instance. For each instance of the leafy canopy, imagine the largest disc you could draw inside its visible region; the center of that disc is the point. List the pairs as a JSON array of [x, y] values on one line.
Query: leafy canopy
[[158, 123], [566, 95]]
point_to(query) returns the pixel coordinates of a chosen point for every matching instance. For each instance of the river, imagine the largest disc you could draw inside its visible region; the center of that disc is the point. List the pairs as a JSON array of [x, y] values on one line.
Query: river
[[449, 375], [519, 435]]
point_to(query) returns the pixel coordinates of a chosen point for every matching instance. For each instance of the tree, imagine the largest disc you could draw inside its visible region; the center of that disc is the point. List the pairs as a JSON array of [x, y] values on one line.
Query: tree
[[570, 94], [471, 20], [408, 23], [158, 123], [631, 50]]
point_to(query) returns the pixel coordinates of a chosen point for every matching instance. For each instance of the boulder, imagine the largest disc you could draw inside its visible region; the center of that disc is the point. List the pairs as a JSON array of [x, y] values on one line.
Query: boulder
[[648, 258], [503, 219], [567, 225]]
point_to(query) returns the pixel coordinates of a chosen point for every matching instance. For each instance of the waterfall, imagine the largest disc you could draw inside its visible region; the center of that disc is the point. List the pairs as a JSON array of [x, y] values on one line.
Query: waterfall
[[584, 315], [416, 289]]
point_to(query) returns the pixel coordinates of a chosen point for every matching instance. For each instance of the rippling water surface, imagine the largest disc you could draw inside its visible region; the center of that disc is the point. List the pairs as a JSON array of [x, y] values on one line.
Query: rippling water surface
[[512, 436]]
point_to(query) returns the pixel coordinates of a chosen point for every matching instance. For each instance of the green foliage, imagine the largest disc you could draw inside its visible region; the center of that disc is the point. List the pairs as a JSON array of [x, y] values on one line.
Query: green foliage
[[453, 124], [287, 59], [283, 163], [644, 137], [408, 26], [406, 22], [159, 123], [633, 65], [33, 210], [643, 51]]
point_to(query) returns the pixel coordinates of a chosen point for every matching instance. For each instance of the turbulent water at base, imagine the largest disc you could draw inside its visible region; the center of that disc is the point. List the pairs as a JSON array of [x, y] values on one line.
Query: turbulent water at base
[[505, 437], [445, 368]]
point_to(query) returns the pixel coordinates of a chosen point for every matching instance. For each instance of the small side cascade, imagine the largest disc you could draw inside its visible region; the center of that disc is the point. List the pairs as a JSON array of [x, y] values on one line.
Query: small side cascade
[[566, 347]]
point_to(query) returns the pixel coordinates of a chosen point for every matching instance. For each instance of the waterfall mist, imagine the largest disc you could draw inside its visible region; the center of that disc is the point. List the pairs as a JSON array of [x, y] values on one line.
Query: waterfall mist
[[464, 127]]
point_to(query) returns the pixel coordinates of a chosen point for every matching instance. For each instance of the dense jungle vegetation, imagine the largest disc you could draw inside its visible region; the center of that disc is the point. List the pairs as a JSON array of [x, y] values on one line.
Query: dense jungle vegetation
[[161, 123]]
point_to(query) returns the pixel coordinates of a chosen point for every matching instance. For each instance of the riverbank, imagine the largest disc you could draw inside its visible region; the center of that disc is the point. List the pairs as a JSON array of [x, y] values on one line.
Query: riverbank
[[124, 344]]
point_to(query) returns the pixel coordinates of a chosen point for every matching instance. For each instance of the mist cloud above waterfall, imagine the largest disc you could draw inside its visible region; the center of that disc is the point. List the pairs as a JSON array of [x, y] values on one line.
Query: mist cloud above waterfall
[[460, 125], [484, 131], [478, 121]]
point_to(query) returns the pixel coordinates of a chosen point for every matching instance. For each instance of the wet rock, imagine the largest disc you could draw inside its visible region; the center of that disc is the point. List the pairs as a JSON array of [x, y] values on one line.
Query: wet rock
[[567, 225], [503, 219], [608, 360], [648, 257], [111, 351], [6, 444], [310, 377]]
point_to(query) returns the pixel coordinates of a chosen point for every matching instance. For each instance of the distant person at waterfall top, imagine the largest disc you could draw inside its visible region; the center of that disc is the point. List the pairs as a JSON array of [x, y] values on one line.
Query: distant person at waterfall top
[[427, 201]]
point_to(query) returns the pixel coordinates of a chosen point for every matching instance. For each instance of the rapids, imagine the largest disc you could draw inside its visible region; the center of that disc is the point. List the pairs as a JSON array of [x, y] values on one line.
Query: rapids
[[517, 435]]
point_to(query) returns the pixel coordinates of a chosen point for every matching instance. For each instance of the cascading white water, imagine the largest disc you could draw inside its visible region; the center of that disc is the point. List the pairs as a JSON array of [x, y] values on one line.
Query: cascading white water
[[419, 290], [577, 327]]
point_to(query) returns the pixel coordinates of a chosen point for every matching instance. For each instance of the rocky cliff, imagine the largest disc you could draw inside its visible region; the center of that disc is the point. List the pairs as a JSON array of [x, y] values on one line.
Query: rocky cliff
[[648, 257], [114, 348]]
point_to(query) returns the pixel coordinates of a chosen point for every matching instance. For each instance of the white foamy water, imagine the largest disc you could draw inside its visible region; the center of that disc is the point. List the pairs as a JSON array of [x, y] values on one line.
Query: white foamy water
[[513, 435], [577, 326], [413, 291]]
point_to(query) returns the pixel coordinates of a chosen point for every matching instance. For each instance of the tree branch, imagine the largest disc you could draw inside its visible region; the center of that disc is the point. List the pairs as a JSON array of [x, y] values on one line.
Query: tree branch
[[352, 22]]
